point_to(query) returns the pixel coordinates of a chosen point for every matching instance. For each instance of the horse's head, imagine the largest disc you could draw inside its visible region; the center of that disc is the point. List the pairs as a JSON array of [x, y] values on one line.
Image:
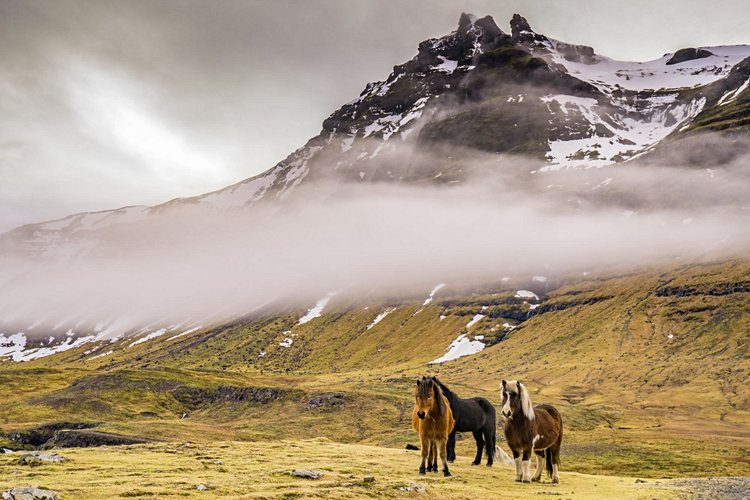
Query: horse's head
[[427, 398], [515, 400]]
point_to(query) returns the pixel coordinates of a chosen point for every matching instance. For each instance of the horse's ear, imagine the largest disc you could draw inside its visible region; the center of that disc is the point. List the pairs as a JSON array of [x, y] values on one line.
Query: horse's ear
[[518, 385], [504, 382], [418, 382]]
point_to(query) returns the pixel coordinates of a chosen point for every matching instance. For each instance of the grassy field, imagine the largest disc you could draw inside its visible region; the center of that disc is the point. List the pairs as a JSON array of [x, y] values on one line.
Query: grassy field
[[649, 370], [260, 470]]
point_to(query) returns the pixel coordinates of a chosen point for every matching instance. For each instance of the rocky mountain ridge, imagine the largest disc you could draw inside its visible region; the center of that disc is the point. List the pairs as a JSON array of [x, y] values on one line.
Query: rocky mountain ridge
[[480, 88]]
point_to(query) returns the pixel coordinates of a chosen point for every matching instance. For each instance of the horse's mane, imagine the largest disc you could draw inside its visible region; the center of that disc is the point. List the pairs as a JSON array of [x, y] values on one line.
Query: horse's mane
[[438, 398], [526, 406], [448, 393]]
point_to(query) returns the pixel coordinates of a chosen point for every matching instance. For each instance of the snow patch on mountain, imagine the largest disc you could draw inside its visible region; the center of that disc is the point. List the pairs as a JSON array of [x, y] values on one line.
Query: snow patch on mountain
[[474, 320], [316, 310], [432, 294], [460, 347], [14, 346], [380, 317]]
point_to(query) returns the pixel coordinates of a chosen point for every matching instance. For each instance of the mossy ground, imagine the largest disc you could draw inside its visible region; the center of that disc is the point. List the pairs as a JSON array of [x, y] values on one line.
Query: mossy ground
[[260, 470]]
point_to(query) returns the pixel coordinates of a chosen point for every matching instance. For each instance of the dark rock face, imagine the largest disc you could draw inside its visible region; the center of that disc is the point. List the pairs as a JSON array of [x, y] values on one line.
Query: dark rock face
[[199, 396], [577, 53], [688, 54], [37, 436], [422, 76], [88, 439]]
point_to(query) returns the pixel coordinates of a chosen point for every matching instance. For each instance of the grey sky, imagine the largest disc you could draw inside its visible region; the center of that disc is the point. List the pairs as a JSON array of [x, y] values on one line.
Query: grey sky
[[105, 104]]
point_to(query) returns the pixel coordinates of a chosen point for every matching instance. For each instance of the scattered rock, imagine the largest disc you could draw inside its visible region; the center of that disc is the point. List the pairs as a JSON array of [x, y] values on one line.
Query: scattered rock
[[326, 400], [368, 479], [412, 447], [201, 487], [5, 450], [307, 474], [726, 488], [640, 481], [33, 457], [148, 414], [197, 397], [30, 493], [219, 462], [409, 486], [503, 457]]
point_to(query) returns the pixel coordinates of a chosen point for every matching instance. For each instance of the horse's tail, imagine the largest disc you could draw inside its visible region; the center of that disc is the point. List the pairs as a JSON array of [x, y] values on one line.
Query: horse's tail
[[548, 461], [552, 453]]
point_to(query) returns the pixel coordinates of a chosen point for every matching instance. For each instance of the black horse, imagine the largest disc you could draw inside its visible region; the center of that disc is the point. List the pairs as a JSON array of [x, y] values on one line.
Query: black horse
[[473, 414]]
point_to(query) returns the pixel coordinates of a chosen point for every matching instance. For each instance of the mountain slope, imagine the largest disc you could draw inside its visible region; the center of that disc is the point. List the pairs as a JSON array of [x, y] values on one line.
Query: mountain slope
[[475, 91], [616, 353]]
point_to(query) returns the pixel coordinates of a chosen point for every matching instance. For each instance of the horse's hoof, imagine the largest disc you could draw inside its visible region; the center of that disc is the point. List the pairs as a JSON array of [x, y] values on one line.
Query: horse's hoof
[[489, 464], [446, 473], [518, 479], [451, 460], [526, 481], [555, 481], [422, 471], [475, 463], [536, 480]]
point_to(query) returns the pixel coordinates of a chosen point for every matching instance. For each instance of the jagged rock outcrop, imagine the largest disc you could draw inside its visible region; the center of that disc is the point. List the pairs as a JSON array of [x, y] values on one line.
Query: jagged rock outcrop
[[521, 31]]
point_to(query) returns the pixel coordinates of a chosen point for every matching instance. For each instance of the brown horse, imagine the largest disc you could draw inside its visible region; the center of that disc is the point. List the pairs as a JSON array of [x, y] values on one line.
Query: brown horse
[[531, 428], [433, 420]]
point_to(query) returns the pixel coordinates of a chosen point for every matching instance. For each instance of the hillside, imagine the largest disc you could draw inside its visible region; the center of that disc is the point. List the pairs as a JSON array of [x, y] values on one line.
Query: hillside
[[616, 354]]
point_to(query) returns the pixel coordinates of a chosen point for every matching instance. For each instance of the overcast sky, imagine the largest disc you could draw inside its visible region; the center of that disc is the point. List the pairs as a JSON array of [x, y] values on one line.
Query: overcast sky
[[111, 103]]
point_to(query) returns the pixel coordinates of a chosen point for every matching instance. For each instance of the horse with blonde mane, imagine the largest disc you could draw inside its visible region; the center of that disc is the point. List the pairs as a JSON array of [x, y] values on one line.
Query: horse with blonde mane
[[433, 419], [531, 428]]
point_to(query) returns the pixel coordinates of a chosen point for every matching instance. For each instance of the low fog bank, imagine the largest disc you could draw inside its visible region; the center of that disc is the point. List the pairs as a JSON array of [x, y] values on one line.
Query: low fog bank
[[377, 239]]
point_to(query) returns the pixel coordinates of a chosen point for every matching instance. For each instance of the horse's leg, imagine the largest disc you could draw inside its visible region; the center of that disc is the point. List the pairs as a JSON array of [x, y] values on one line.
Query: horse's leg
[[555, 451], [489, 443], [452, 446], [480, 446], [425, 451], [444, 456], [539, 465], [517, 459], [433, 457], [526, 466]]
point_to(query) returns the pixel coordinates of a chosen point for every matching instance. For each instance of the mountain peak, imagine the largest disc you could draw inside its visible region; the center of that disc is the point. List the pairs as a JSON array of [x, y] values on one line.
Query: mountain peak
[[521, 31], [469, 23]]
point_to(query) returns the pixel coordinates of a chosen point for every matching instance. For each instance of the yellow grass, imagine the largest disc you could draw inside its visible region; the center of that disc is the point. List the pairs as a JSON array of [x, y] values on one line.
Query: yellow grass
[[260, 470]]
